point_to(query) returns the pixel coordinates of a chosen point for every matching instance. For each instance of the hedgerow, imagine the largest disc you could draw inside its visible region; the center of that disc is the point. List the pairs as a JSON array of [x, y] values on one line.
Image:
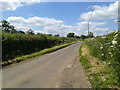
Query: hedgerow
[[14, 45]]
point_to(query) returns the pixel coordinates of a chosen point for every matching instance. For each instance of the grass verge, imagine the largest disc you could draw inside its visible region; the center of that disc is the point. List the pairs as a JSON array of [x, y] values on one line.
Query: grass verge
[[99, 73], [45, 51]]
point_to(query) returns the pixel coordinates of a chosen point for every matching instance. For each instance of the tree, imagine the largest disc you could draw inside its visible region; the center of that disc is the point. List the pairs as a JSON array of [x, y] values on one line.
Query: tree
[[56, 35], [90, 34], [7, 27], [12, 29], [77, 36], [50, 35], [22, 32], [83, 37], [30, 31], [71, 35]]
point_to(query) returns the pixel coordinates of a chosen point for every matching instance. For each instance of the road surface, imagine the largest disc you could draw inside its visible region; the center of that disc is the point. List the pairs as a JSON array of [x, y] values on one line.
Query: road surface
[[41, 72]]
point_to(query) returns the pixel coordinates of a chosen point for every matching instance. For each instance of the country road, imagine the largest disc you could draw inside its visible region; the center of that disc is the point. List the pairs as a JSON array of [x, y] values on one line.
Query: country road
[[45, 71]]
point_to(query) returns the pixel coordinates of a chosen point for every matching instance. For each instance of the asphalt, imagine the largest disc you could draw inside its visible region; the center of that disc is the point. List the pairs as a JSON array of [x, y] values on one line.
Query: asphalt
[[40, 72]]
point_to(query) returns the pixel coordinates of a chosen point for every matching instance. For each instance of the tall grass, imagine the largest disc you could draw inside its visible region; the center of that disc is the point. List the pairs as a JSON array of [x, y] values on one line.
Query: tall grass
[[107, 48]]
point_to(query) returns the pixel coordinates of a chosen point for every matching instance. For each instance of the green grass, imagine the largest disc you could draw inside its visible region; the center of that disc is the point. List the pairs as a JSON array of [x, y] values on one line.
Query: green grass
[[85, 62], [45, 51]]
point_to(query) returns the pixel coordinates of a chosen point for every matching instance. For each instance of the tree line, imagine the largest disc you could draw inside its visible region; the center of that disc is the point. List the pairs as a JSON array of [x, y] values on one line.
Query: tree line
[[72, 35], [6, 27]]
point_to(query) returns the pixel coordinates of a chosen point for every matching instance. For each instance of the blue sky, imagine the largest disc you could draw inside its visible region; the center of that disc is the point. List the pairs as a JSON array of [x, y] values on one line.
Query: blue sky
[[67, 12]]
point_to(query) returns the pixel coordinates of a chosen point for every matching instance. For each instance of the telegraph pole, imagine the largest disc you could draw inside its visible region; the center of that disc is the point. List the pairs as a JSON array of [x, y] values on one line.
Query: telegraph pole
[[88, 27]]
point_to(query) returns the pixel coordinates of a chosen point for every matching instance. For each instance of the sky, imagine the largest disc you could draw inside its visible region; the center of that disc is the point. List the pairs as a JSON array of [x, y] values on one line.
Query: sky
[[61, 17]]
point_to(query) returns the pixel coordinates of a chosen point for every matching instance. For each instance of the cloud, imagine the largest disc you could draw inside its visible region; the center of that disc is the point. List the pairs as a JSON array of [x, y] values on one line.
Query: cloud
[[48, 25], [102, 12], [93, 27], [33, 21], [14, 4], [53, 26]]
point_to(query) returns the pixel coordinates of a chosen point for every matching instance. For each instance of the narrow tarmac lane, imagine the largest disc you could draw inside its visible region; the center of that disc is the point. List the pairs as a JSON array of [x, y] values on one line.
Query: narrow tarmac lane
[[41, 72]]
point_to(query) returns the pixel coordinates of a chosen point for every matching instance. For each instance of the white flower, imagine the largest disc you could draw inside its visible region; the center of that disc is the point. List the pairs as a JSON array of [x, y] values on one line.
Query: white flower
[[110, 53], [101, 47], [116, 35], [109, 63], [102, 54], [114, 42], [111, 46], [104, 37]]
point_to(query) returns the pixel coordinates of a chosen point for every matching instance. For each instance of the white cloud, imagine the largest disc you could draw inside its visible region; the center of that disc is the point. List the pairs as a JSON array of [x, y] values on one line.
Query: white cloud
[[33, 21], [92, 24], [93, 27], [14, 4], [53, 26], [102, 12], [49, 25]]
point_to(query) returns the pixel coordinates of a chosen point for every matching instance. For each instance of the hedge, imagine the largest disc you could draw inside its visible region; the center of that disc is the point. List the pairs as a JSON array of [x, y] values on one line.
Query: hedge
[[14, 45]]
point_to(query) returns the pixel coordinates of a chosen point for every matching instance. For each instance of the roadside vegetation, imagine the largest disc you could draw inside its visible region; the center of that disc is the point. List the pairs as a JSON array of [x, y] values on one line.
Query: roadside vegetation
[[19, 45], [42, 52], [16, 44], [100, 57]]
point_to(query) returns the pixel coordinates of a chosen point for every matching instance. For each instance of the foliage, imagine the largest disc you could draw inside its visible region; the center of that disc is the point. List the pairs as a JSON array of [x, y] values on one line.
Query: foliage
[[19, 44], [100, 73], [72, 35], [107, 49], [90, 35], [7, 27], [83, 37], [30, 31], [24, 57], [56, 35]]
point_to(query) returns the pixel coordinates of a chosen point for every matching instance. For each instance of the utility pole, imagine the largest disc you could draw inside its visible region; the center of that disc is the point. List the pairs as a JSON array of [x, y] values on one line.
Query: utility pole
[[88, 27]]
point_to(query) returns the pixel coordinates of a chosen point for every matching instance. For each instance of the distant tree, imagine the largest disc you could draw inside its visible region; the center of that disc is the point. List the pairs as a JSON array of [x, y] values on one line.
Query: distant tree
[[7, 27], [56, 35], [22, 32], [71, 35], [77, 36], [30, 31], [49, 35], [42, 35], [12, 29], [39, 34], [90, 35], [83, 37]]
